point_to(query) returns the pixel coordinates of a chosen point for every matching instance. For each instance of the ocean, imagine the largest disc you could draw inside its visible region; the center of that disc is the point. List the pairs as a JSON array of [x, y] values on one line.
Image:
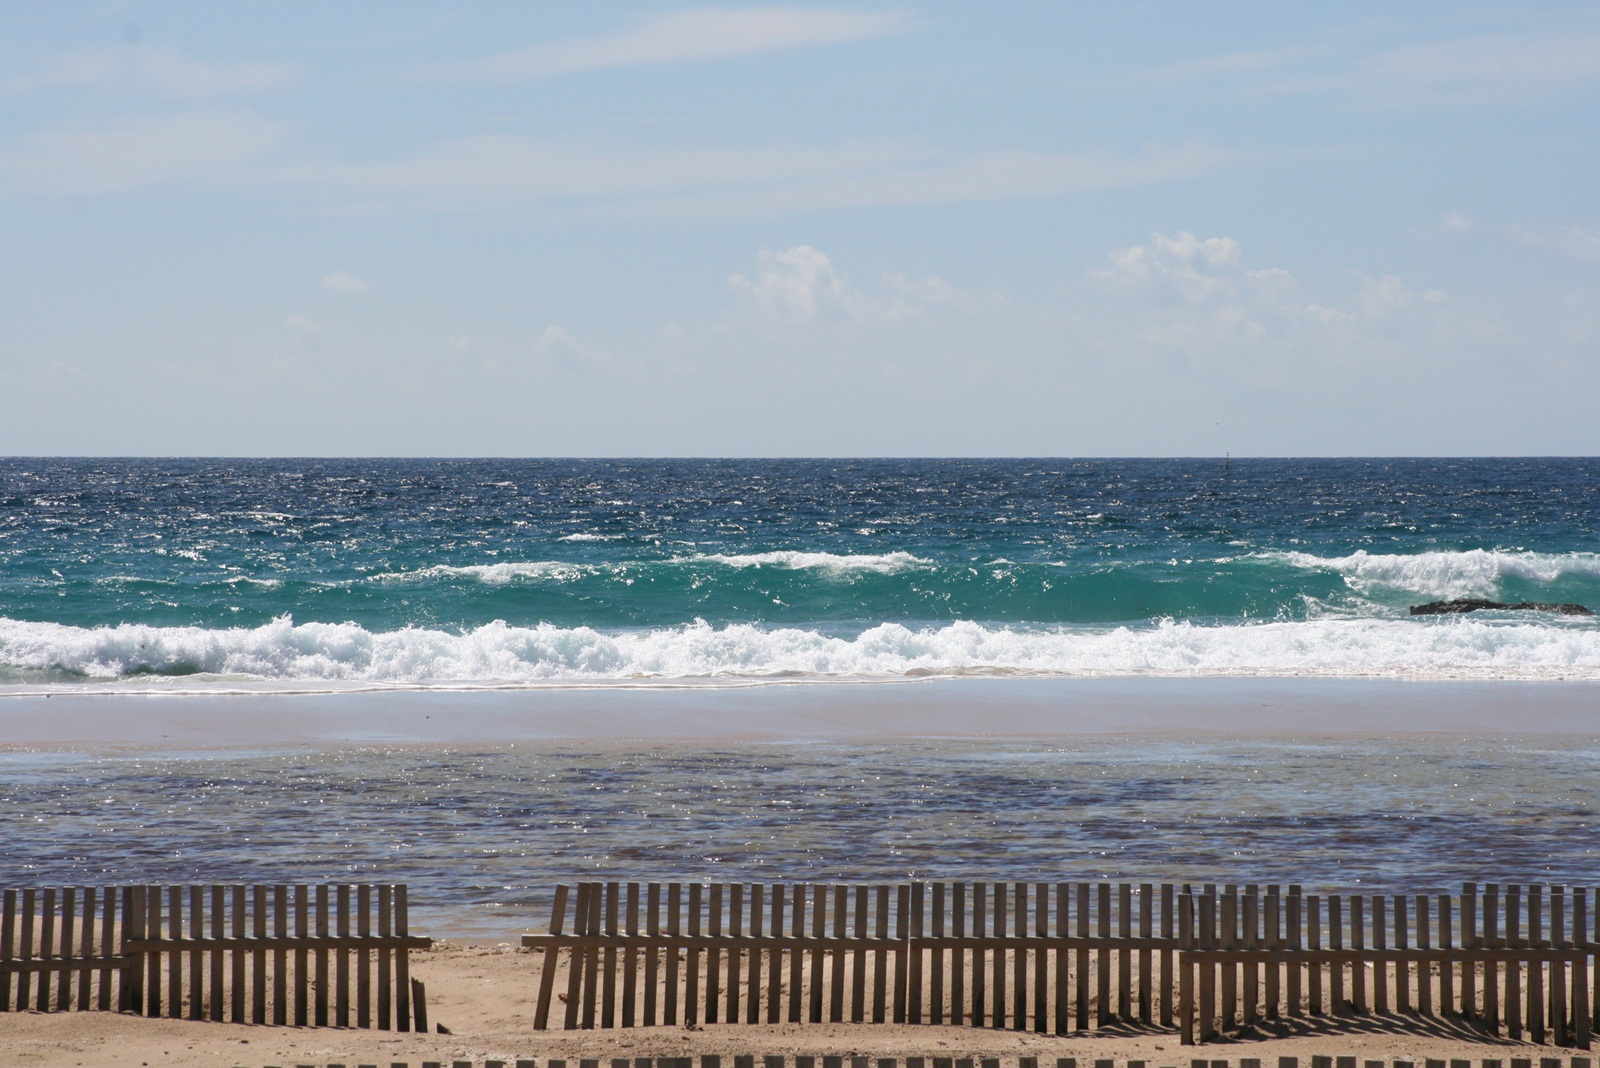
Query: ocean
[[434, 580], [419, 573]]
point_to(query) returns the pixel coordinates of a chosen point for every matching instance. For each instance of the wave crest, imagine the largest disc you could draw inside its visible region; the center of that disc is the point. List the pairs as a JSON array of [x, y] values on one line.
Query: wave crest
[[1445, 575], [883, 564], [498, 653]]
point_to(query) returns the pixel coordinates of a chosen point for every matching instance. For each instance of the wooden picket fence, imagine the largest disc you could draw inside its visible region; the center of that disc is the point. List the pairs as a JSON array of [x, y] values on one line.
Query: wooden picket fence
[[1066, 957], [946, 1060], [308, 955]]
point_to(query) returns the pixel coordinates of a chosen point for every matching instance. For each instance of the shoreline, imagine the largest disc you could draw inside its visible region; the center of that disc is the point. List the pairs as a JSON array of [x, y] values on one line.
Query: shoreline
[[919, 709]]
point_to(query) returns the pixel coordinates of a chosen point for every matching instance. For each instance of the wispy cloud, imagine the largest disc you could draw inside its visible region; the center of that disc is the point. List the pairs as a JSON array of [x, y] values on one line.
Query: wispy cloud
[[162, 70], [499, 169], [344, 282], [1232, 64], [677, 37], [140, 152], [1491, 68], [802, 283], [1578, 242], [508, 167]]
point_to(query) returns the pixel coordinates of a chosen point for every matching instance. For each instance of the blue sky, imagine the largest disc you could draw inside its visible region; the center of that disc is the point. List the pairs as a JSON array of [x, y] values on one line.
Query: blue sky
[[860, 229]]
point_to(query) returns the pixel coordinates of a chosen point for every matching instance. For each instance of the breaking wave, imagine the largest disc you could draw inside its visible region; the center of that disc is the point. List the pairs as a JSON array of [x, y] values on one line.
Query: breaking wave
[[1440, 574], [883, 564], [501, 654]]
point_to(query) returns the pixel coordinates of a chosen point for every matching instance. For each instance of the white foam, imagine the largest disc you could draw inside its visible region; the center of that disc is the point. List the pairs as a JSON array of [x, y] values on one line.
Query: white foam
[[497, 574], [500, 654], [1444, 575], [883, 564]]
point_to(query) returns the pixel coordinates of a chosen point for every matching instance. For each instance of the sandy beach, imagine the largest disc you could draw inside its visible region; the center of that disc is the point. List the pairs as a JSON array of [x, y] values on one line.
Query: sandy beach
[[483, 992]]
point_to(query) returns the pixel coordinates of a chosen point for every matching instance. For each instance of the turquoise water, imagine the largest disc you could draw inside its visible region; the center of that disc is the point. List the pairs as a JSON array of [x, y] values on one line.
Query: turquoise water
[[424, 572]]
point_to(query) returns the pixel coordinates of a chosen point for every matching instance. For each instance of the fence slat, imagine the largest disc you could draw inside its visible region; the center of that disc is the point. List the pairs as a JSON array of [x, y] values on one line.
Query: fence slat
[[86, 977], [1041, 960], [1581, 989], [880, 956], [280, 961], [152, 976], [714, 956], [652, 956], [1168, 904], [958, 954], [217, 959], [402, 959], [752, 999], [837, 962], [609, 978], [1469, 939], [302, 917], [324, 929], [341, 960], [8, 945], [797, 958], [1124, 958], [630, 958], [197, 927], [735, 954], [108, 926], [998, 914], [364, 960], [1063, 957], [775, 961], [674, 909]]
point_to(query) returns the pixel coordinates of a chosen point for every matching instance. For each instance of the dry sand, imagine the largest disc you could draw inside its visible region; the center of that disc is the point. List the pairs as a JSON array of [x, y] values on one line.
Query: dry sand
[[484, 995]]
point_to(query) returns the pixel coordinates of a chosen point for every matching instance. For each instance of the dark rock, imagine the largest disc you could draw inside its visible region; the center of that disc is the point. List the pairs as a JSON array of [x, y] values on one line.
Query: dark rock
[[1473, 604]]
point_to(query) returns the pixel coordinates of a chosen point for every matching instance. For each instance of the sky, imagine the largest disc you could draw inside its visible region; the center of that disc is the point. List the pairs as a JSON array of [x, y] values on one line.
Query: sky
[[885, 229]]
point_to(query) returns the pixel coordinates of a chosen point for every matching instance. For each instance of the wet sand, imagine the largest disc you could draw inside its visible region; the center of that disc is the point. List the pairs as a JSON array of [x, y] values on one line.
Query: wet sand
[[178, 717]]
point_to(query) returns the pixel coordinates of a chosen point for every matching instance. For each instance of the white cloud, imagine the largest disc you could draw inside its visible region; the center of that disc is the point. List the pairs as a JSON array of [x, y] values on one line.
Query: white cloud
[[1382, 297], [1457, 223], [1184, 266], [158, 69], [801, 283], [140, 152], [677, 37], [344, 282], [1196, 300], [797, 283], [560, 347]]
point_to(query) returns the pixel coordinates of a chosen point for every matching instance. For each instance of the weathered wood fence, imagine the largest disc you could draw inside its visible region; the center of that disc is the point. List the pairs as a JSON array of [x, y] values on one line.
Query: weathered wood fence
[[1064, 957], [946, 1060], [307, 955]]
